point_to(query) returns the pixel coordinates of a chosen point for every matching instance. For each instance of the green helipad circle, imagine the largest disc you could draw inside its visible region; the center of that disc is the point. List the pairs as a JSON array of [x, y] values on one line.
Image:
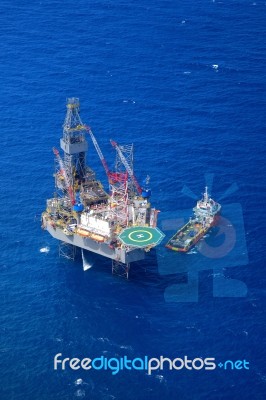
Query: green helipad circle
[[141, 236]]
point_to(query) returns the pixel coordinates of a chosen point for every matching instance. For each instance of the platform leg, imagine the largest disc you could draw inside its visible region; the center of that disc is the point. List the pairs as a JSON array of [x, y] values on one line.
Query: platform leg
[[67, 250], [120, 269]]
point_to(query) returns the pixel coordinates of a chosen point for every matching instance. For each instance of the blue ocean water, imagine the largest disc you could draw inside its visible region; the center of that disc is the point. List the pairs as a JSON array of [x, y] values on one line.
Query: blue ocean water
[[185, 81]]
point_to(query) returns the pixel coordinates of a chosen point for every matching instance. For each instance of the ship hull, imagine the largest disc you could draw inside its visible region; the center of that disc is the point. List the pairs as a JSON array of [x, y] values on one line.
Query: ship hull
[[189, 247], [185, 244]]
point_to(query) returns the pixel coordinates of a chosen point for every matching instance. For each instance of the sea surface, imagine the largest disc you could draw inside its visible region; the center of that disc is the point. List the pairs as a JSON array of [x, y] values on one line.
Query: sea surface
[[186, 82]]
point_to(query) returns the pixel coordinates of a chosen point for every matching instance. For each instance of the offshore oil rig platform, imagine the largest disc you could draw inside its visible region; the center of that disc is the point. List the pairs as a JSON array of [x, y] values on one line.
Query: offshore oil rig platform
[[119, 224]]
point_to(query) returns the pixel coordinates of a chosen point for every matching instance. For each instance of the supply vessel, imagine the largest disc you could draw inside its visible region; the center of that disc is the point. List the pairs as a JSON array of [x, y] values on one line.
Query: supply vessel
[[206, 213], [118, 223]]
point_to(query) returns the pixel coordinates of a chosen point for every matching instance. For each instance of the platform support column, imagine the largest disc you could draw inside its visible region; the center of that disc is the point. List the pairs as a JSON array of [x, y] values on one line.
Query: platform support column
[[67, 250], [120, 269]]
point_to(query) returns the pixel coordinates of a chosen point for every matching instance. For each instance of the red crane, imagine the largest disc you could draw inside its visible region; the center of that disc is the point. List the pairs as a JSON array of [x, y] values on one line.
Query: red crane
[[127, 166], [112, 176]]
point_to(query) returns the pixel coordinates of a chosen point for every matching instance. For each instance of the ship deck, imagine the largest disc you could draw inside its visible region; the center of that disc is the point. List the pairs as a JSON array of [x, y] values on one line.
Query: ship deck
[[186, 236]]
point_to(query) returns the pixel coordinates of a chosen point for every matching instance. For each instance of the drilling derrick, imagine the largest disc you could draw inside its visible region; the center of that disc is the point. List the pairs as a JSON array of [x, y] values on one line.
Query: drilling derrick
[[74, 143]]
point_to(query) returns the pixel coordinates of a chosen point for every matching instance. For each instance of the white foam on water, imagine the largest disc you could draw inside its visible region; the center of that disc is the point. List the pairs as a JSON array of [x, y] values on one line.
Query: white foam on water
[[159, 377], [103, 339], [45, 249], [127, 347], [193, 251], [129, 101]]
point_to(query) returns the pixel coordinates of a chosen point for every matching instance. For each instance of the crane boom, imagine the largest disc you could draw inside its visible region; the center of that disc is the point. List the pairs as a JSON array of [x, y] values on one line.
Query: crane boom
[[112, 176], [65, 175], [100, 154], [127, 166]]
